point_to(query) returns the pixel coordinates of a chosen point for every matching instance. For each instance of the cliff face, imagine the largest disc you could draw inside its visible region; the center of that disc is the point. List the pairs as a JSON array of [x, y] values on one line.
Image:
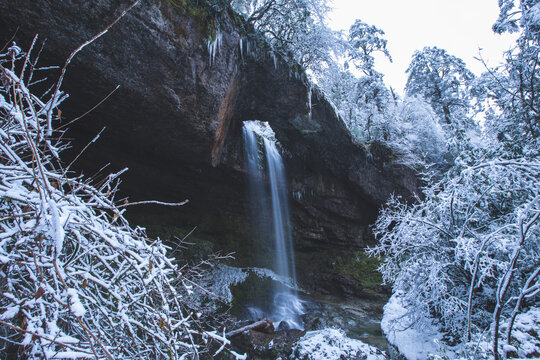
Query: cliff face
[[175, 121]]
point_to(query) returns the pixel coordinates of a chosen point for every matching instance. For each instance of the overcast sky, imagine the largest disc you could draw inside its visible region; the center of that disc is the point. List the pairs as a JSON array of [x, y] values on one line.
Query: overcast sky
[[460, 27]]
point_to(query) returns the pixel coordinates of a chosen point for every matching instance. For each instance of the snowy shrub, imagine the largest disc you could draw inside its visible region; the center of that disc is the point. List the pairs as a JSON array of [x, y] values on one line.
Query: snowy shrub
[[76, 281], [468, 255]]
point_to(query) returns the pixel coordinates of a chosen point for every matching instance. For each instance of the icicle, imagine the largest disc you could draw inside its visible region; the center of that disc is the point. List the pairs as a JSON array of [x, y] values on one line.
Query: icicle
[[214, 46], [241, 49], [274, 57]]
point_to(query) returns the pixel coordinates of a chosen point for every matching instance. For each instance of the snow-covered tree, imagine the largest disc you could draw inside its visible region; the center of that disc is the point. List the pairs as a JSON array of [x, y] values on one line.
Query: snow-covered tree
[[514, 87], [518, 15], [416, 134], [295, 28], [359, 93], [339, 86], [366, 40], [472, 244], [443, 80], [466, 257], [371, 95]]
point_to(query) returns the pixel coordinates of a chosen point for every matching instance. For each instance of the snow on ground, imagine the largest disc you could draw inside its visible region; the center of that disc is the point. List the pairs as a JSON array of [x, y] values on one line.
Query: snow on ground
[[525, 334], [419, 340], [332, 344], [525, 342], [414, 339]]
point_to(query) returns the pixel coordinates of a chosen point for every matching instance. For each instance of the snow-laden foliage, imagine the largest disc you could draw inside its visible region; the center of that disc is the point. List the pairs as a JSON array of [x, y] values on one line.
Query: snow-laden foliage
[[428, 126], [76, 281], [221, 278], [416, 134], [518, 14], [443, 80], [333, 344], [514, 87], [219, 281], [465, 258], [450, 252], [365, 40], [360, 92], [294, 28]]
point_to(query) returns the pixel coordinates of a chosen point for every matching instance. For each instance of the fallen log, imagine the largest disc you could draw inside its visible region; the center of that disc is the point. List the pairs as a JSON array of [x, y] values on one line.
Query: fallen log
[[265, 326]]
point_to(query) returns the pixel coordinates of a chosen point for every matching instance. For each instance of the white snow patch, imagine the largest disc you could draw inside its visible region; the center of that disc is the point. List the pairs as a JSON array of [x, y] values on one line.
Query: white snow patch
[[332, 344], [238, 356], [57, 229], [52, 354], [525, 338], [414, 339], [75, 303], [261, 128], [10, 312]]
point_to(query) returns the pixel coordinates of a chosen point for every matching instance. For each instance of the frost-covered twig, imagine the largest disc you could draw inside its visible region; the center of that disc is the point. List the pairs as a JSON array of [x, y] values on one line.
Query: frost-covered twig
[[153, 202]]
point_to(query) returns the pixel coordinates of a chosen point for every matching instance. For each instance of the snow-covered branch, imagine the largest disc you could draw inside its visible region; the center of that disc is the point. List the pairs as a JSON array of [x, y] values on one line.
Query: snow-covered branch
[[76, 281]]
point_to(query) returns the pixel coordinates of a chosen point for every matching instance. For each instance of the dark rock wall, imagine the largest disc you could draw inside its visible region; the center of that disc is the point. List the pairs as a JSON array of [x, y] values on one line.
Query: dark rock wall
[[175, 121]]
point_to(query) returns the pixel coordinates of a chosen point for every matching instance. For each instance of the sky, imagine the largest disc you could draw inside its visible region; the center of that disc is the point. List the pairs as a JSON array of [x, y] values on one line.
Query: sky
[[461, 27]]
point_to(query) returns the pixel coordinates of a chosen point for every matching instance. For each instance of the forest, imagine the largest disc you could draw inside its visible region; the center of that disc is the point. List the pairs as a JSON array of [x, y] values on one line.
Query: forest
[[458, 260]]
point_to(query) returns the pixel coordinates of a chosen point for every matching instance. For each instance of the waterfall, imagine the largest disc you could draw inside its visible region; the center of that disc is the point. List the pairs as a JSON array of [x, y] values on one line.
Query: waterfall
[[274, 215], [284, 262], [257, 192]]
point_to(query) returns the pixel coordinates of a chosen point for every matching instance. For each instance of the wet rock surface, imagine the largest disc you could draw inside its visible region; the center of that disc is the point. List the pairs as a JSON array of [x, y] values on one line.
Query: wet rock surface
[[356, 319], [359, 320], [267, 346]]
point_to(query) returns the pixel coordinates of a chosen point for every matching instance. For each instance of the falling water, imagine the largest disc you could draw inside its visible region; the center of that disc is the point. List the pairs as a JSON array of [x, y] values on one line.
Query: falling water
[[287, 308], [257, 195], [280, 212]]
